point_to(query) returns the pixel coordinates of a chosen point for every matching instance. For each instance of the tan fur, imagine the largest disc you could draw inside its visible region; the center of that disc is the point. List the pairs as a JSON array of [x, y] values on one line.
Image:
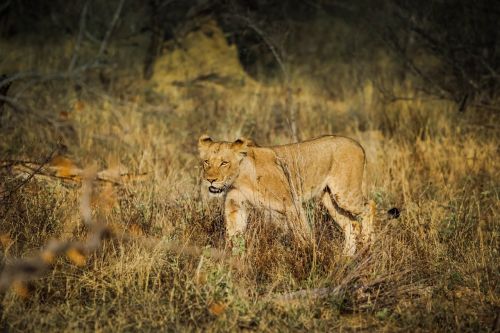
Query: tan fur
[[280, 178]]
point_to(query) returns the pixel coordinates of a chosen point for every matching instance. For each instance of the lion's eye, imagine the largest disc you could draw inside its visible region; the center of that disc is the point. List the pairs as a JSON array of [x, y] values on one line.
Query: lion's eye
[[223, 163]]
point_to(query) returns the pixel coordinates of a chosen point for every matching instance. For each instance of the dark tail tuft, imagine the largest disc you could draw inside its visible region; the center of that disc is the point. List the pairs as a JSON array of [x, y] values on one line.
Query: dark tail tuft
[[393, 213]]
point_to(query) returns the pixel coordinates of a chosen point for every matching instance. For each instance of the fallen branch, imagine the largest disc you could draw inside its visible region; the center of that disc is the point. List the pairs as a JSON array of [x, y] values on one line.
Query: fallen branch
[[4, 195], [67, 173], [311, 294], [24, 270], [320, 293], [19, 272], [349, 285]]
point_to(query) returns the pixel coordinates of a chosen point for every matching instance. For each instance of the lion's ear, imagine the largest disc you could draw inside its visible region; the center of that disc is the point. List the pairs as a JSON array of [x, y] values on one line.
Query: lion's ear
[[204, 141], [241, 146]]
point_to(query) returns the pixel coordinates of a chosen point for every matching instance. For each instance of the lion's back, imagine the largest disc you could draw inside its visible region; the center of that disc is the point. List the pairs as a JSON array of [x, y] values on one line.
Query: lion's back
[[311, 164], [325, 150]]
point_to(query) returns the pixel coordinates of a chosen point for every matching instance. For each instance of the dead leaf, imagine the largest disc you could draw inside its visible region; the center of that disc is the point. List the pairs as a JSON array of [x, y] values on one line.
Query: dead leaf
[[63, 115], [21, 289], [64, 167], [48, 256], [79, 105], [5, 240], [76, 257], [135, 230], [217, 309]]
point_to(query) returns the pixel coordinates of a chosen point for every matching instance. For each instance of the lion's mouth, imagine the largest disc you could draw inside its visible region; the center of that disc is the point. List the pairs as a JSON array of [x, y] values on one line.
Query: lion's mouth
[[215, 190]]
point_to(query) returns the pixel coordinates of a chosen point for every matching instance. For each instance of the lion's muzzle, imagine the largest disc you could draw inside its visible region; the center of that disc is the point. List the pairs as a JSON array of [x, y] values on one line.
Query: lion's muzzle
[[215, 190]]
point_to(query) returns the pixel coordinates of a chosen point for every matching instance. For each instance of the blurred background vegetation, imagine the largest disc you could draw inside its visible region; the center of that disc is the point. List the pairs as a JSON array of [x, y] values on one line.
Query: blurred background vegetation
[[446, 50]]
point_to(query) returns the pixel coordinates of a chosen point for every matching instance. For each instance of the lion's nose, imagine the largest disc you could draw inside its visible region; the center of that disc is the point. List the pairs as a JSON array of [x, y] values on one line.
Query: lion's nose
[[211, 180]]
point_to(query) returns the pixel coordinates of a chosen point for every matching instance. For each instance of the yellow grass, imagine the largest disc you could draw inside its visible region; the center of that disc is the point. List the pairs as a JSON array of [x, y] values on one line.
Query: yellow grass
[[435, 268]]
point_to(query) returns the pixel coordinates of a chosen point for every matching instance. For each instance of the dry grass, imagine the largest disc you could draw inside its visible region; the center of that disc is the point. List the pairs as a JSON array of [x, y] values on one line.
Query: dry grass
[[433, 269]]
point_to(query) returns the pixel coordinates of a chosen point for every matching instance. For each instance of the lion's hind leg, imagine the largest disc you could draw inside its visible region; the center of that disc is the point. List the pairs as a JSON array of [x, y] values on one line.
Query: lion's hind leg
[[352, 205], [348, 225], [367, 221]]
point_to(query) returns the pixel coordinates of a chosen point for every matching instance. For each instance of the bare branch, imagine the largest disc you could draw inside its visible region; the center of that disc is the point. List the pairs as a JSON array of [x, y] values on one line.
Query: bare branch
[[76, 50], [8, 193], [105, 41], [278, 56], [394, 45], [270, 44], [18, 76], [24, 110], [71, 72], [74, 175]]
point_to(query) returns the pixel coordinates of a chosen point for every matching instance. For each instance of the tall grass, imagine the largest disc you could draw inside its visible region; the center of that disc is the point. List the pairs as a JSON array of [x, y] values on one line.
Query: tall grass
[[433, 269]]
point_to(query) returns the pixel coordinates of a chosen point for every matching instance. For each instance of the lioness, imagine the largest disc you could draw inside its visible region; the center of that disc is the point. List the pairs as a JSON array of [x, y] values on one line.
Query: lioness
[[280, 178]]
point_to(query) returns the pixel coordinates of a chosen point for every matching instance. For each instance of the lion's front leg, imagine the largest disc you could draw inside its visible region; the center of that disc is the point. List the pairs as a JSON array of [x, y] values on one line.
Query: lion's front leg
[[235, 215]]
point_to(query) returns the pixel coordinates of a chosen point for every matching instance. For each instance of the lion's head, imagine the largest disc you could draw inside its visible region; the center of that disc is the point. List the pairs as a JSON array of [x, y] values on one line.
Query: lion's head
[[221, 162]]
